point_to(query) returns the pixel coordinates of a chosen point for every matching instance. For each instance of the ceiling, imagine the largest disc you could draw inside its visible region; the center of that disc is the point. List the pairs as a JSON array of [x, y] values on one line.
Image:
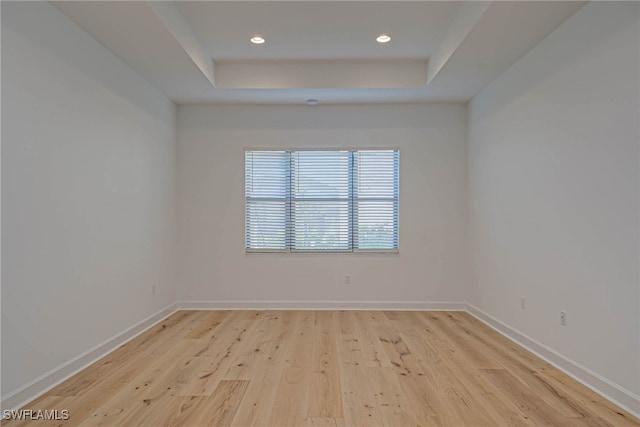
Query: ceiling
[[199, 51]]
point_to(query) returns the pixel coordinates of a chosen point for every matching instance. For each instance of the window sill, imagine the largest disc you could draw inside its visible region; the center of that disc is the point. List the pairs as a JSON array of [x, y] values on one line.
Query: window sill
[[323, 252]]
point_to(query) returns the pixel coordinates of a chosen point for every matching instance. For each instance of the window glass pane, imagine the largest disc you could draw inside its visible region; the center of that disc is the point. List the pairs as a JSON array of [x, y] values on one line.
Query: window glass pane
[[375, 173], [321, 207], [321, 225], [265, 224], [320, 174], [376, 199], [376, 224], [266, 199], [266, 174]]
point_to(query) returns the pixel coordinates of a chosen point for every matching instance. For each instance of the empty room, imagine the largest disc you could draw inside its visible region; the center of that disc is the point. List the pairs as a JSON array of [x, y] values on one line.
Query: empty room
[[320, 213]]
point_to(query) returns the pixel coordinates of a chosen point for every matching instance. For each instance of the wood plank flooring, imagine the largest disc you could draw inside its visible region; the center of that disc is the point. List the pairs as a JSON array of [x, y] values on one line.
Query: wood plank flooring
[[324, 368]]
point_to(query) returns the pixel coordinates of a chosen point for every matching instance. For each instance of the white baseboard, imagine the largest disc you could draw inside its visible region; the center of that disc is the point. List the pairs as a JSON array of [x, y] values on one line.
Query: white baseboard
[[45, 382], [322, 305], [622, 397]]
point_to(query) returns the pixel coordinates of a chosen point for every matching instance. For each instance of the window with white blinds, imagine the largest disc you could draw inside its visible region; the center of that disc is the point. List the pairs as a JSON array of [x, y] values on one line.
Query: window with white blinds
[[331, 201]]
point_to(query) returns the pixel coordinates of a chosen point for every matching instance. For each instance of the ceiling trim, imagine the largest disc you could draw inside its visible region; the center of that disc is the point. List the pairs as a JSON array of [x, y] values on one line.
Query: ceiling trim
[[179, 28], [305, 74], [469, 15]]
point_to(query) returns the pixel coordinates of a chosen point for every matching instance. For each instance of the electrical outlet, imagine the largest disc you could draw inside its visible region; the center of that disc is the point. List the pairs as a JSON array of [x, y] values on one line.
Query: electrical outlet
[[347, 280], [563, 318], [523, 303]]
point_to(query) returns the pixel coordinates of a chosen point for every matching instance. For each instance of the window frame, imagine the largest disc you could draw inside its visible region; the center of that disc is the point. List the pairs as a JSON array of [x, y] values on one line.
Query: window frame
[[289, 225]]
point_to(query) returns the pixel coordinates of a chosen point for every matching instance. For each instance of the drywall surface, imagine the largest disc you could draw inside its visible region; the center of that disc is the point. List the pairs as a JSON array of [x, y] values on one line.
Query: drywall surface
[[554, 193], [88, 194], [431, 265]]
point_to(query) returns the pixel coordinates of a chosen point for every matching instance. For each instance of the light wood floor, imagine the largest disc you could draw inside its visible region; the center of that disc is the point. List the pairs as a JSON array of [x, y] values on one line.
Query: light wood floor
[[325, 368]]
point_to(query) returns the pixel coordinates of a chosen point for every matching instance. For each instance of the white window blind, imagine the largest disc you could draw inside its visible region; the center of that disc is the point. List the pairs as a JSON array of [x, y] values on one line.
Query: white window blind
[[323, 200], [267, 179]]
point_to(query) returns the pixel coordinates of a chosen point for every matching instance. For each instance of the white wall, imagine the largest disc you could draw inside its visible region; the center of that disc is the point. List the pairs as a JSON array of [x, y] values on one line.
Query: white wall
[[554, 192], [88, 193], [431, 265]]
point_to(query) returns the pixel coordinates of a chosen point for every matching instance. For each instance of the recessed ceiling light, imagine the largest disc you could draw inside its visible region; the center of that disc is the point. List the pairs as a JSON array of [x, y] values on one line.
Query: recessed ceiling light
[[383, 38], [257, 40]]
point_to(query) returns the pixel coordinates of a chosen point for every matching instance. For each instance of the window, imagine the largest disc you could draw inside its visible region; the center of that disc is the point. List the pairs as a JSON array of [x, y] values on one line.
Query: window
[[331, 201]]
